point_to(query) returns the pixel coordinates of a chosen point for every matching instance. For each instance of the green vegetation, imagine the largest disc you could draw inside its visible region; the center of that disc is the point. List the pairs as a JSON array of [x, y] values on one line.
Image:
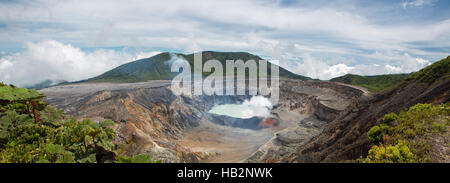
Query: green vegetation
[[34, 132], [158, 67], [409, 136], [373, 83], [398, 153], [439, 69], [376, 133], [389, 118], [140, 158], [152, 68]]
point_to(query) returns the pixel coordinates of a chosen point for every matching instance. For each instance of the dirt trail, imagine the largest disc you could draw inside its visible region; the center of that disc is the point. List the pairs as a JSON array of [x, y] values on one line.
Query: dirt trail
[[365, 91]]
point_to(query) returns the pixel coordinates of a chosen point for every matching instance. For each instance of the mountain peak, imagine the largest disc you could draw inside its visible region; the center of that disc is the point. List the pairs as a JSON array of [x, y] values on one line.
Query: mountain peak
[[157, 68]]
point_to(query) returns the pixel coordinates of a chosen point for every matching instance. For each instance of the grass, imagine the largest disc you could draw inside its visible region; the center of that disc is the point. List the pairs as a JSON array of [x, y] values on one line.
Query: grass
[[372, 83]]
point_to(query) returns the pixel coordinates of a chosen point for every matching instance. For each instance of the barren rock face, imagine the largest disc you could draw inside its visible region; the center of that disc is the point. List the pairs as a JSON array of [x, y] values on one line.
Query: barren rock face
[[172, 128]]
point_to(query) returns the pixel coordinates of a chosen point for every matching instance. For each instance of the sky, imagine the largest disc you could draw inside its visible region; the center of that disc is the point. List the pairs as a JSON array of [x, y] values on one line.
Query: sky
[[77, 39]]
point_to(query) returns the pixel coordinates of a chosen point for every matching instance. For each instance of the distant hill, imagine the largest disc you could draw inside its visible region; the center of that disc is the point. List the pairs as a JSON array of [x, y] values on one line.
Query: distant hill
[[157, 67], [383, 82], [373, 83]]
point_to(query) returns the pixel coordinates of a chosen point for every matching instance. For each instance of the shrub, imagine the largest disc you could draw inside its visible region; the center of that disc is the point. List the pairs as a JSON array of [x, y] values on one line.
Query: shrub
[[376, 133], [408, 139], [34, 132], [70, 141], [399, 153], [389, 118], [420, 108]]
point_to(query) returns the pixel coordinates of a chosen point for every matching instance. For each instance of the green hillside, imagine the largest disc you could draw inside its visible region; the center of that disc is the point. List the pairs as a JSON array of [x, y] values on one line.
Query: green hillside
[[439, 69], [382, 82], [158, 68], [417, 134], [373, 83]]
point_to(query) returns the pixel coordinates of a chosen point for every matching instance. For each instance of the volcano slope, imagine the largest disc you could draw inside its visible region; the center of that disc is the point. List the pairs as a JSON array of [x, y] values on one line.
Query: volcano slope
[[171, 128], [345, 138]]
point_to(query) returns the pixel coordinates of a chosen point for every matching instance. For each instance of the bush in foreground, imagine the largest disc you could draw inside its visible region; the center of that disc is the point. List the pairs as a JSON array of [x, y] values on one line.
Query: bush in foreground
[[409, 136], [34, 132]]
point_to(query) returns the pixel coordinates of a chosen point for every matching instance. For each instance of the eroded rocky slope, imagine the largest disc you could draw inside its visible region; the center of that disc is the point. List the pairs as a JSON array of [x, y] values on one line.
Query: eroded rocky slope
[[345, 138], [172, 128]]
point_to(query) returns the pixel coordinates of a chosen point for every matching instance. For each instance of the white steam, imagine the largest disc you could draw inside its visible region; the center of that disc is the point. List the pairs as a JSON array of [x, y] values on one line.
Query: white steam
[[257, 106]]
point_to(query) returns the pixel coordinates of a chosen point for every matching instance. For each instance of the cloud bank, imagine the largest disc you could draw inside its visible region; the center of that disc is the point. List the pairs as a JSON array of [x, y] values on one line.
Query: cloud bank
[[320, 39], [315, 68], [52, 60]]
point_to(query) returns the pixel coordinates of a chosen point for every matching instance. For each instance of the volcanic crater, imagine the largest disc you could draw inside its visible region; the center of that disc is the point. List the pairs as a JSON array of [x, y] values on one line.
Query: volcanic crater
[[171, 128]]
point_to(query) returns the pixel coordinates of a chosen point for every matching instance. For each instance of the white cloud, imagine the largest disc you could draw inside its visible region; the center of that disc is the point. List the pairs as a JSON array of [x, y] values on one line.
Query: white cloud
[[416, 3], [337, 70], [412, 64], [57, 61], [391, 68], [260, 27], [405, 64], [141, 55], [219, 24], [316, 68]]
